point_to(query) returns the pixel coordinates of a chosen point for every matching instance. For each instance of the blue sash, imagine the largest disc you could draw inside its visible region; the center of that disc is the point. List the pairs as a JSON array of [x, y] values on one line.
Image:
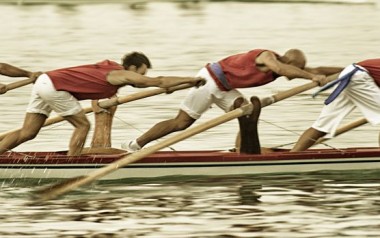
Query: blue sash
[[343, 82], [218, 72]]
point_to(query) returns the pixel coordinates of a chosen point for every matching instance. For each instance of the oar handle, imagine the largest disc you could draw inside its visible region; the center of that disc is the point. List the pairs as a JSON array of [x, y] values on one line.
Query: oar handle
[[17, 84], [139, 95], [291, 92]]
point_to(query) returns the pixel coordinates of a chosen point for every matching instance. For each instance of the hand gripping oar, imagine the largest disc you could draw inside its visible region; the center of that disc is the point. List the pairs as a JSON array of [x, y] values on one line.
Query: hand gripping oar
[[113, 102], [61, 188], [17, 84]]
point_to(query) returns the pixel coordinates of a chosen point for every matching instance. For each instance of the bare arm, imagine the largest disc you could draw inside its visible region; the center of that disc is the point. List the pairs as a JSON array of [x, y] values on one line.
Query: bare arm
[[125, 77], [270, 60], [324, 70], [13, 71]]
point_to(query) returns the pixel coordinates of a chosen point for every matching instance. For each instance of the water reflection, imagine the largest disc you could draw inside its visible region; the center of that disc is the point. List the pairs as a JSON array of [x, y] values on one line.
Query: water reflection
[[323, 204]]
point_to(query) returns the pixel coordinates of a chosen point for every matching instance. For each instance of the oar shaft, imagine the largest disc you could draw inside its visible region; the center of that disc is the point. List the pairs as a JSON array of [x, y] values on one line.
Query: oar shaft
[[139, 95], [345, 128], [291, 92], [18, 84]]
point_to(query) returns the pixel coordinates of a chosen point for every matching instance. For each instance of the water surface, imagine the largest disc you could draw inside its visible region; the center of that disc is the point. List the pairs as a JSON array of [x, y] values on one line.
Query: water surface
[[180, 39]]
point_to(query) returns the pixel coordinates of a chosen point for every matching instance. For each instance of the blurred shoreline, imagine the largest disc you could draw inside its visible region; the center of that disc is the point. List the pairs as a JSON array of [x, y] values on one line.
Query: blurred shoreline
[[133, 2]]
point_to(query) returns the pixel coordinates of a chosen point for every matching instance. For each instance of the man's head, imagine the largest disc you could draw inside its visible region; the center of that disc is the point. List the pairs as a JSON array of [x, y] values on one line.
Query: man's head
[[136, 62], [295, 57]]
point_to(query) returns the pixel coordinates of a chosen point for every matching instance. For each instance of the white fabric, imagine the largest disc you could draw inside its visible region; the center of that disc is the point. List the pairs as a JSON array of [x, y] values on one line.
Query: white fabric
[[362, 92], [131, 146], [199, 100], [45, 98]]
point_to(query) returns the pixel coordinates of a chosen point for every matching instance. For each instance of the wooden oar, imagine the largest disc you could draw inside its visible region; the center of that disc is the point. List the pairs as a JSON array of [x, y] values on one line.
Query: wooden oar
[[70, 184], [17, 84], [344, 129], [112, 102]]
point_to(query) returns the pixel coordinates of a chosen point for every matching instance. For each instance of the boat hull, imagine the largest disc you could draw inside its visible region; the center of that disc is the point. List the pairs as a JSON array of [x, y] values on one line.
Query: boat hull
[[48, 165]]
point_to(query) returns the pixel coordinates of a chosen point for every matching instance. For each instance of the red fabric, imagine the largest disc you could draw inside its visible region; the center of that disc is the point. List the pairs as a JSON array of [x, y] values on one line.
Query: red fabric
[[373, 67], [86, 81], [241, 72]]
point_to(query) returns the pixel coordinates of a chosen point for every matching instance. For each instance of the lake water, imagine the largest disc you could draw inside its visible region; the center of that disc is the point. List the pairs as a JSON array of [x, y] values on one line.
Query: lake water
[[180, 38]]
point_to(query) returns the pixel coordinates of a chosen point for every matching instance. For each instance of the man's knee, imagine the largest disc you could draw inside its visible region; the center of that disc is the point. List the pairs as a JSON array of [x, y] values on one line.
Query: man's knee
[[84, 126], [182, 125], [27, 135], [79, 121], [182, 121]]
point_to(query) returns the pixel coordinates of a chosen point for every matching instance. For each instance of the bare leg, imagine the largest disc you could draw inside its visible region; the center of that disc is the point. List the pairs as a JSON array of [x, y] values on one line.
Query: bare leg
[[78, 138], [33, 122], [307, 139], [161, 129]]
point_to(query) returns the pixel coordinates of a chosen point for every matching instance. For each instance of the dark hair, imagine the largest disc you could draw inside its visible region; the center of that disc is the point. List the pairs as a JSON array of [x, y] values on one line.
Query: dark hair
[[137, 59]]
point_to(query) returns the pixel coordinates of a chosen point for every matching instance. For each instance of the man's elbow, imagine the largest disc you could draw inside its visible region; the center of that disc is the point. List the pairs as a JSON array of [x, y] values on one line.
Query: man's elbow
[[2, 66]]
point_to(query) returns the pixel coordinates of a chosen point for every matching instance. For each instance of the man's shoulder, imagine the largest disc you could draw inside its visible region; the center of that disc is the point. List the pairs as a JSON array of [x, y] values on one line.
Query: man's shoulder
[[110, 64]]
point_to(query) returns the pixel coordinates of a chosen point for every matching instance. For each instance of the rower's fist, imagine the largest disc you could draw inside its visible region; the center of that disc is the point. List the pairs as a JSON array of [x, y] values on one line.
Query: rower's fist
[[35, 75], [320, 79], [3, 88], [199, 82]]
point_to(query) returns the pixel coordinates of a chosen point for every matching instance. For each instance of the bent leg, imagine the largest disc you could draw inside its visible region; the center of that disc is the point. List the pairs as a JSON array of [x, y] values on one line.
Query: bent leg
[[180, 122], [33, 122], [308, 139], [78, 138]]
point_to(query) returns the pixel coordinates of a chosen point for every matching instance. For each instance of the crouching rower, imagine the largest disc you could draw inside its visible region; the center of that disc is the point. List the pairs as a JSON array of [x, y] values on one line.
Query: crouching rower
[[358, 87]]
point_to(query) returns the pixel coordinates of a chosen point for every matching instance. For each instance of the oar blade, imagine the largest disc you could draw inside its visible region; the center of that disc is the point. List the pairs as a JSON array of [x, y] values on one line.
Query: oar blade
[[55, 190]]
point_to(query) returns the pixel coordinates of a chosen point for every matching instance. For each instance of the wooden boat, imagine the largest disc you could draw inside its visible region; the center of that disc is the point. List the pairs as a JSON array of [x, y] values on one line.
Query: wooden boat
[[44, 165]]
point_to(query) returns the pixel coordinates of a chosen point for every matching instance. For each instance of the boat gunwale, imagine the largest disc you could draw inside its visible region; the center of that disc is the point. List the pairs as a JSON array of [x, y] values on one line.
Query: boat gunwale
[[168, 157]]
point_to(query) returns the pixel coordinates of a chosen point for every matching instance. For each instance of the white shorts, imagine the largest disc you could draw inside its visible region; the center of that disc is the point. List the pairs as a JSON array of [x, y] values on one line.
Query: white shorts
[[199, 100], [362, 92], [45, 98]]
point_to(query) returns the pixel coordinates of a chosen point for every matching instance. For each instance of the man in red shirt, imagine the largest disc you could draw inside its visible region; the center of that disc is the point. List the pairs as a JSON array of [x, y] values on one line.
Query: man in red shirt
[[60, 90], [361, 82], [251, 69]]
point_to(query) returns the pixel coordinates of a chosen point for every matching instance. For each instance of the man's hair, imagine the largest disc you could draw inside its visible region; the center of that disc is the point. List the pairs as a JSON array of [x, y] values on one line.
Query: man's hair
[[296, 58], [137, 59]]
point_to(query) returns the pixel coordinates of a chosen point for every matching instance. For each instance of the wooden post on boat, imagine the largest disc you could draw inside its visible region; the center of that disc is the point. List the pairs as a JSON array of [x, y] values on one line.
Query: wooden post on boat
[[101, 137], [249, 137]]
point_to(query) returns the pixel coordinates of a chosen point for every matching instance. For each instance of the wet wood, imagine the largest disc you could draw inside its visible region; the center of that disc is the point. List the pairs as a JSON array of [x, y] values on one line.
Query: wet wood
[[249, 136], [103, 126]]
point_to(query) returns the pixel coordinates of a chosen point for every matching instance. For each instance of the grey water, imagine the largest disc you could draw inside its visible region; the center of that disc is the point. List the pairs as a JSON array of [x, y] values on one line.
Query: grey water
[[180, 38]]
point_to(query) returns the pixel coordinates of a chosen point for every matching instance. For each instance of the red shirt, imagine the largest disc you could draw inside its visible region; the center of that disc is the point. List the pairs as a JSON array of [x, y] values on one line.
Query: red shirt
[[240, 71], [373, 67], [86, 81]]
